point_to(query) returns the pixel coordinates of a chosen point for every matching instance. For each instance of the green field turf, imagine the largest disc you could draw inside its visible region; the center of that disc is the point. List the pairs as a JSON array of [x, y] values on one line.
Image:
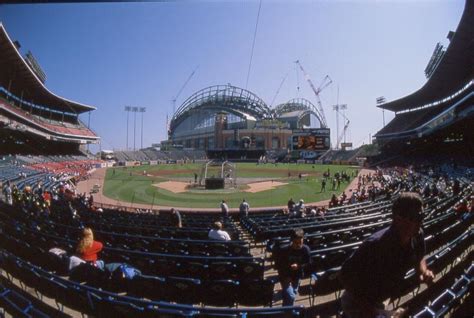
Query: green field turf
[[130, 185]]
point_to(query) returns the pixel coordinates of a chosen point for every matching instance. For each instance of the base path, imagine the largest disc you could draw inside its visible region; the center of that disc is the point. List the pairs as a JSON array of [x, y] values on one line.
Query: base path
[[100, 200]]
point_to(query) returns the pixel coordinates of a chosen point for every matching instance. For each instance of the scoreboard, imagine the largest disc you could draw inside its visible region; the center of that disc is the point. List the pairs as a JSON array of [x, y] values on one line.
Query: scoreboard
[[311, 139]]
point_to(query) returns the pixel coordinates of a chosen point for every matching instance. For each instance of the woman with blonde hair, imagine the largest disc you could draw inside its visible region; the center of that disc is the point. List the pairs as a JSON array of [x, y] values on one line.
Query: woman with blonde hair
[[87, 248]]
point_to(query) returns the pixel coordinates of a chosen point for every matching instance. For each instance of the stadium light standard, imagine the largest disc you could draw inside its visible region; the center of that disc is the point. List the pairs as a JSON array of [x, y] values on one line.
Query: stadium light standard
[[379, 101], [142, 110], [134, 110], [128, 109], [337, 108]]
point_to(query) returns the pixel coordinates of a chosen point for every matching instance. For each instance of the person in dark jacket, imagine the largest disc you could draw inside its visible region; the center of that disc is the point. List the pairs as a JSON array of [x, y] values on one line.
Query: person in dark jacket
[[377, 268], [292, 262]]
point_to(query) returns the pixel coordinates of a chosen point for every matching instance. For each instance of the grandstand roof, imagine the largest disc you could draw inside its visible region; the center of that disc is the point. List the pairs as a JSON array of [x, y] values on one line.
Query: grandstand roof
[[454, 71], [23, 79]]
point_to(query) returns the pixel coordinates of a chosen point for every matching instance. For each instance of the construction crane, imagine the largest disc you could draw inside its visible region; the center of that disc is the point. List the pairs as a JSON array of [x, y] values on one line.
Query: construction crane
[[325, 83], [344, 130], [278, 90], [182, 88]]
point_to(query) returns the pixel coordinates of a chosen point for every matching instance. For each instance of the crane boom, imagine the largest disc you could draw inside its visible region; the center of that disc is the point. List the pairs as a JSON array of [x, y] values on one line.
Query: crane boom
[[278, 90], [326, 82], [343, 133], [182, 88]]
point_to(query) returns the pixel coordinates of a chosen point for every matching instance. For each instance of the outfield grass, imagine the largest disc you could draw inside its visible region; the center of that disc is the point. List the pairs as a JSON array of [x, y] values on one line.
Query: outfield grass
[[130, 185]]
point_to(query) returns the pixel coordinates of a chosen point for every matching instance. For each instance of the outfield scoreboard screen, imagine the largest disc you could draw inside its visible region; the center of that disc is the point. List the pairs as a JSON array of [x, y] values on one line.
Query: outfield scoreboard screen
[[311, 139]]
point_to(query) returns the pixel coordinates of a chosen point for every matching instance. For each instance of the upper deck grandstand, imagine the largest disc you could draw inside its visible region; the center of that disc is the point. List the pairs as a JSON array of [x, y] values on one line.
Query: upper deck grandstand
[[437, 119], [33, 120]]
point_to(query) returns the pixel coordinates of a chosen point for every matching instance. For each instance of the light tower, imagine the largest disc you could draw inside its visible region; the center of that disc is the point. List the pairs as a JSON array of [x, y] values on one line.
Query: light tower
[[134, 110], [379, 101], [337, 108], [142, 110], [128, 109]]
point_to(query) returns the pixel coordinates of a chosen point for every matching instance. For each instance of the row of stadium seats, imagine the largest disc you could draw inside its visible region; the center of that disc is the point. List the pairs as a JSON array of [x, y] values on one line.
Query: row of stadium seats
[[203, 267], [97, 302], [451, 297]]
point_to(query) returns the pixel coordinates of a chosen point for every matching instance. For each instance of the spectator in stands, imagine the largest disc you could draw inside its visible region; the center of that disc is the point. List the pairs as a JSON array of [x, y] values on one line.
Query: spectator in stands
[[377, 268], [321, 213], [224, 209], [334, 201], [7, 192], [299, 210], [244, 208], [456, 187], [292, 262], [87, 248], [90, 201], [291, 205], [216, 232], [176, 218], [342, 198], [461, 207]]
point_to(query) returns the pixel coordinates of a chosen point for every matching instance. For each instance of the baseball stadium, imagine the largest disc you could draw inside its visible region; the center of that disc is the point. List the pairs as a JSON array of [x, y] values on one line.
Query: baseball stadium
[[246, 209]]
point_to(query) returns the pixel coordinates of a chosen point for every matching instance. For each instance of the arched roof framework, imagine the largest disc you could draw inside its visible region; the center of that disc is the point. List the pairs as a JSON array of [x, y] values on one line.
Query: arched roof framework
[[301, 105], [234, 100]]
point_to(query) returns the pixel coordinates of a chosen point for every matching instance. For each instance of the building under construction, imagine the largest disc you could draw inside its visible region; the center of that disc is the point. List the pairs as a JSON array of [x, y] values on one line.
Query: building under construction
[[231, 122]]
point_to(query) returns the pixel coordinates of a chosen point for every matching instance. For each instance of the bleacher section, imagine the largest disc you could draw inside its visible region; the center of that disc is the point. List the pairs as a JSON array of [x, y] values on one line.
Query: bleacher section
[[152, 154], [184, 274], [434, 124]]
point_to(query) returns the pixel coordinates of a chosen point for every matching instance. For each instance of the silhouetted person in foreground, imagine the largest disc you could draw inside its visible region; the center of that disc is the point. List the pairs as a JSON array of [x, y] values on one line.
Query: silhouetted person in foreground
[[378, 267]]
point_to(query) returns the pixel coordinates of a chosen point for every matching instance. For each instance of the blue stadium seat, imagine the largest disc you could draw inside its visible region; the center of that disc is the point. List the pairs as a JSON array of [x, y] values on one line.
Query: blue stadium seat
[[250, 270], [460, 287], [74, 297], [152, 287], [425, 313], [107, 306], [17, 305], [442, 303], [256, 292], [470, 273], [221, 270], [324, 283], [158, 311], [183, 290], [220, 293]]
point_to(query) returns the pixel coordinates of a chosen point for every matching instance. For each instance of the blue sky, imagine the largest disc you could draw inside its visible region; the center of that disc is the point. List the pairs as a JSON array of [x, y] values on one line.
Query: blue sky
[[116, 54]]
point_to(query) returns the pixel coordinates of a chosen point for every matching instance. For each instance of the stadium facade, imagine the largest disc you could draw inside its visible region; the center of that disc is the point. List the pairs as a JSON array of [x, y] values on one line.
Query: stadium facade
[[228, 121], [34, 120], [436, 122]]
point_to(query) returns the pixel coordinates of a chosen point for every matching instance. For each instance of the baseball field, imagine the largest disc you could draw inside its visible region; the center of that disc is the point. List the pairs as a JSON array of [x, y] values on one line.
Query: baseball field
[[262, 185]]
